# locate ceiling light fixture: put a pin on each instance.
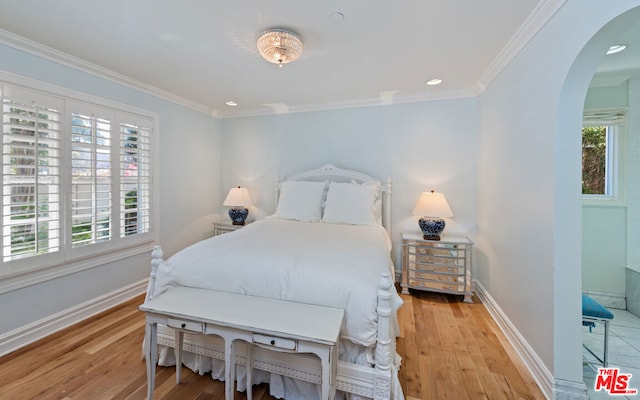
(231, 103)
(435, 81)
(280, 46)
(616, 48)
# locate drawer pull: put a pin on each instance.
(186, 325)
(275, 342)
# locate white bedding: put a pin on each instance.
(327, 264)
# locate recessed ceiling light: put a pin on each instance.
(617, 48)
(435, 81)
(231, 103)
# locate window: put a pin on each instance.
(596, 160)
(135, 178)
(600, 154)
(31, 177)
(76, 177)
(91, 165)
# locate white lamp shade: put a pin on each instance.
(432, 204)
(237, 197)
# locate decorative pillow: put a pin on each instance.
(300, 200)
(354, 204)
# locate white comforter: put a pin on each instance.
(326, 264)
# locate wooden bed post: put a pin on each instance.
(382, 385)
(156, 260)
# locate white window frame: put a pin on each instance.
(20, 273)
(615, 169)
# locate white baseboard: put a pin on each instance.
(27, 334)
(541, 374)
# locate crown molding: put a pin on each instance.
(37, 49)
(529, 28)
(279, 108)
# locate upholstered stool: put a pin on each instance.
(593, 312)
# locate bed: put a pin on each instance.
(327, 244)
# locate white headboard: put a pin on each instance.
(332, 173)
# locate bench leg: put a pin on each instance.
(151, 356)
(178, 353)
(229, 368)
(249, 367)
(328, 372)
(325, 378)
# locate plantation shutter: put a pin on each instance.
(604, 117)
(135, 175)
(91, 178)
(31, 130)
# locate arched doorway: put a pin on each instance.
(568, 196)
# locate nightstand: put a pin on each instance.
(224, 227)
(440, 266)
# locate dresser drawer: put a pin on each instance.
(438, 286)
(186, 325)
(274, 341)
(431, 259)
(436, 251)
(437, 269)
(446, 278)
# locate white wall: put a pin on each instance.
(529, 234)
(189, 182)
(419, 146)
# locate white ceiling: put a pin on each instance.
(202, 52)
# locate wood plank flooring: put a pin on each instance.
(450, 350)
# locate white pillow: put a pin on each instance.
(300, 200)
(354, 204)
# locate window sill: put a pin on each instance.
(19, 280)
(593, 201)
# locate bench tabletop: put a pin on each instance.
(258, 314)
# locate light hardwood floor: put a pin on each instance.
(450, 350)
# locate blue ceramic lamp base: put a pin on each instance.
(238, 215)
(431, 227)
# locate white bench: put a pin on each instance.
(270, 323)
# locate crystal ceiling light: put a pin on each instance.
(280, 46)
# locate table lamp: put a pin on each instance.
(238, 199)
(432, 207)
